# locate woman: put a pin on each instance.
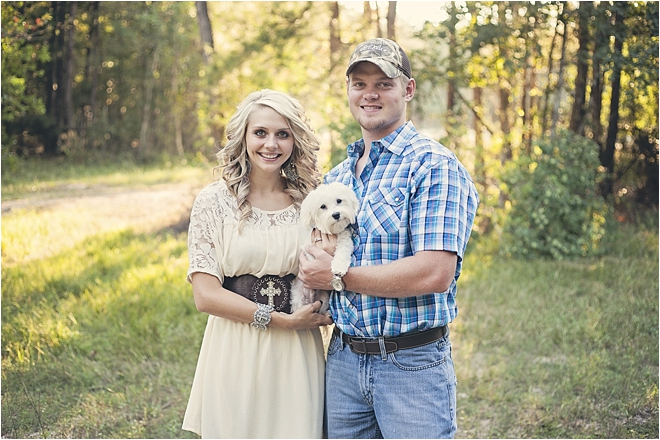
(260, 372)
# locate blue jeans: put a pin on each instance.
(406, 394)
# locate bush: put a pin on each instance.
(554, 209)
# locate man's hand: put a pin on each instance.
(315, 273)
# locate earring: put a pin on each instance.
(290, 171)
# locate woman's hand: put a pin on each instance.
(305, 317)
(327, 242)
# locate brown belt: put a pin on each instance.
(269, 289)
(372, 345)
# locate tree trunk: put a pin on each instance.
(479, 164)
(506, 154)
(607, 156)
(335, 39)
(601, 42)
(505, 124)
(379, 30)
(92, 69)
(176, 112)
(549, 87)
(579, 111)
(69, 69)
(205, 30)
(560, 80)
(391, 19)
(526, 105)
(54, 105)
(451, 82)
(367, 15)
(143, 147)
(596, 103)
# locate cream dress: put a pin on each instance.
(251, 383)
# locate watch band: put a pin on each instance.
(337, 279)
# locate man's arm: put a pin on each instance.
(423, 273)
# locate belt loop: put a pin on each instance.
(339, 335)
(383, 351)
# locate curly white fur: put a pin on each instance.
(331, 209)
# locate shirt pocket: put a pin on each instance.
(385, 211)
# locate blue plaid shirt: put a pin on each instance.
(414, 196)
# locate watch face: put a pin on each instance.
(337, 284)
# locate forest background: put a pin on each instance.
(552, 106)
(495, 79)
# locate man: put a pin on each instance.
(389, 371)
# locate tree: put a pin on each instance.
(26, 128)
(391, 20)
(559, 87)
(579, 94)
(205, 30)
(92, 59)
(68, 124)
(335, 38)
(607, 153)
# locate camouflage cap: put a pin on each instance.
(384, 53)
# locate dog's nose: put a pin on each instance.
(336, 215)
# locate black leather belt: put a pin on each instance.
(372, 345)
(269, 289)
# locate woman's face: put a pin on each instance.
(269, 140)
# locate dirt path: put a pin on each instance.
(44, 224)
(145, 208)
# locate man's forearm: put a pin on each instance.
(425, 272)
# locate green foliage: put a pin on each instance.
(555, 210)
(348, 131)
(23, 51)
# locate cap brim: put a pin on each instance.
(388, 68)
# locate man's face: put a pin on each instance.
(377, 102)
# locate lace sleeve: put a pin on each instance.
(203, 234)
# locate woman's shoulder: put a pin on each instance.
(216, 195)
(216, 189)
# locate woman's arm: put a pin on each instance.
(212, 298)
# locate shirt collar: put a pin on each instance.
(395, 141)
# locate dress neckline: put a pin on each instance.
(277, 211)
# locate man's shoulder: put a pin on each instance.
(424, 148)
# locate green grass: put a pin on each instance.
(99, 341)
(547, 349)
(100, 336)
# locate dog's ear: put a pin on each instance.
(307, 209)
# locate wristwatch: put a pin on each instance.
(337, 283)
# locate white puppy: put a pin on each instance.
(331, 209)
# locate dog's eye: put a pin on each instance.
(338, 201)
(323, 206)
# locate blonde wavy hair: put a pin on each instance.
(233, 156)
